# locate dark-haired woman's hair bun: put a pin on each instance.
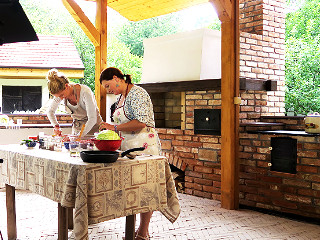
(108, 73)
(127, 78)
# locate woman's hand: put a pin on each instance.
(65, 138)
(57, 131)
(105, 126)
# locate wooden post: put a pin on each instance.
(228, 12)
(11, 212)
(101, 55)
(62, 222)
(98, 36)
(130, 227)
(230, 111)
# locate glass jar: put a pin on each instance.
(74, 148)
(58, 143)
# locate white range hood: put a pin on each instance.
(187, 56)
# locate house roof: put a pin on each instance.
(49, 52)
(143, 9)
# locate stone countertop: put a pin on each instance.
(286, 132)
(260, 124)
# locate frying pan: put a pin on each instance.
(105, 156)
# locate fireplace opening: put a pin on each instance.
(169, 109)
(283, 154)
(178, 177)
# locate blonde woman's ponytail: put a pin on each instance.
(56, 81)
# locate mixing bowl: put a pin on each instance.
(107, 145)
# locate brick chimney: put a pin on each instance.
(262, 56)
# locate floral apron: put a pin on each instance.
(146, 137)
(79, 116)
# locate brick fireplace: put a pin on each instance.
(262, 117)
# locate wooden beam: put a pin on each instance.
(230, 111)
(101, 55)
(223, 9)
(258, 85)
(182, 86)
(14, 73)
(83, 21)
(208, 84)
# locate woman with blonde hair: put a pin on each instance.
(79, 101)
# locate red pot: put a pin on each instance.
(107, 145)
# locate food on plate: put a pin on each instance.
(107, 135)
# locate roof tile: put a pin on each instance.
(48, 52)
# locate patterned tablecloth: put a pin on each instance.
(98, 192)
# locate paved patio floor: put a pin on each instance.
(199, 219)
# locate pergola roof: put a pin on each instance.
(143, 9)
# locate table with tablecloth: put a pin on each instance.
(98, 192)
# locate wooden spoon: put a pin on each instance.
(82, 128)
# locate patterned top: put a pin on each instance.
(138, 105)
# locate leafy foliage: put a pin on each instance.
(48, 19)
(119, 55)
(133, 33)
(303, 58)
(216, 25)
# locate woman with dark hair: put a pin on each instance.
(134, 119)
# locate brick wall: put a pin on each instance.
(200, 100)
(251, 16)
(199, 156)
(284, 192)
(167, 109)
(262, 57)
(39, 118)
(291, 122)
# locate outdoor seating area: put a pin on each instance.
(207, 146)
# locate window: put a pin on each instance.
(21, 98)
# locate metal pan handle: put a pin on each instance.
(123, 154)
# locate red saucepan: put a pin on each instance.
(105, 156)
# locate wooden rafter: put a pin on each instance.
(83, 21)
(98, 36)
(223, 8)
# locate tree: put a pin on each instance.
(133, 33)
(49, 18)
(303, 58)
(216, 25)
